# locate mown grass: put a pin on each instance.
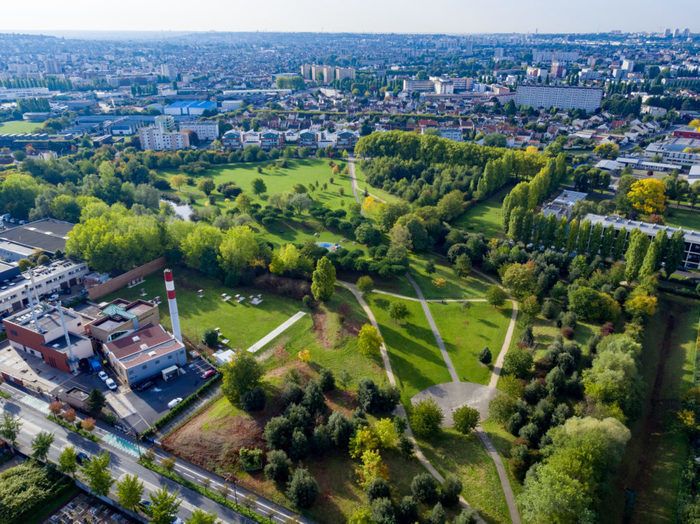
(484, 217)
(415, 358)
(18, 126)
(689, 219)
(465, 456)
(471, 286)
(466, 329)
(242, 324)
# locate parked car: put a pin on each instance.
(81, 457)
(209, 373)
(111, 384)
(145, 505)
(174, 402)
(143, 386)
(103, 376)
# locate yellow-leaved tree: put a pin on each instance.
(648, 196)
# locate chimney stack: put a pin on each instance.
(172, 303)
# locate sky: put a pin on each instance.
(376, 16)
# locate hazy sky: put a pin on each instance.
(425, 16)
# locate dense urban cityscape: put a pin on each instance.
(350, 277)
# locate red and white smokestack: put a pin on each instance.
(172, 303)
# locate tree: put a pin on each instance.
(18, 193)
(68, 461)
(177, 181)
(96, 401)
(200, 516)
(323, 280)
(463, 266)
(200, 248)
(465, 419)
(485, 356)
(365, 284)
(206, 186)
(426, 417)
(259, 186)
(278, 466)
(302, 489)
(398, 311)
(129, 491)
(238, 251)
(520, 279)
(531, 306)
(10, 428)
(674, 253)
(425, 488)
(41, 445)
(369, 340)
(210, 338)
(382, 511)
(240, 376)
(607, 150)
(164, 506)
(518, 362)
(451, 490)
(97, 474)
(495, 295)
(648, 196)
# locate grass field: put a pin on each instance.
(277, 180)
(468, 328)
(362, 184)
(657, 453)
(683, 218)
(18, 126)
(414, 356)
(243, 324)
(472, 286)
(484, 217)
(465, 456)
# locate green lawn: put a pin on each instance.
(468, 328)
(18, 126)
(473, 286)
(465, 456)
(683, 218)
(362, 184)
(277, 180)
(485, 217)
(243, 324)
(303, 230)
(415, 358)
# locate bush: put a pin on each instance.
(302, 489)
(518, 362)
(374, 400)
(426, 417)
(365, 284)
(340, 429)
(251, 459)
(425, 488)
(550, 310)
(569, 319)
(210, 338)
(383, 511)
(407, 510)
(291, 394)
(253, 400)
(485, 356)
(465, 419)
(278, 466)
(496, 296)
(278, 432)
(467, 516)
(326, 380)
(437, 515)
(377, 489)
(567, 333)
(451, 489)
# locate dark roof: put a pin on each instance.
(47, 235)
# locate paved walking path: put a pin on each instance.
(433, 327)
(284, 326)
(498, 365)
(502, 476)
(437, 300)
(353, 179)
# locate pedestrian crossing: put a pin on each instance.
(35, 403)
(122, 444)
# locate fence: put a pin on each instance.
(122, 280)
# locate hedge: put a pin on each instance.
(73, 427)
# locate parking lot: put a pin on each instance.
(137, 410)
(153, 403)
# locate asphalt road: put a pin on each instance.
(124, 459)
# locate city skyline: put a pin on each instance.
(445, 16)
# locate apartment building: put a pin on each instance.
(156, 139)
(561, 97)
(205, 130)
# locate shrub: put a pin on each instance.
(451, 489)
(251, 459)
(210, 338)
(340, 429)
(518, 362)
(569, 319)
(88, 424)
(550, 310)
(326, 380)
(465, 419)
(253, 400)
(291, 394)
(365, 284)
(377, 488)
(382, 511)
(426, 417)
(485, 356)
(302, 489)
(567, 333)
(278, 432)
(425, 488)
(437, 515)
(407, 510)
(496, 296)
(278, 466)
(467, 516)
(299, 447)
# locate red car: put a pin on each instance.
(209, 373)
